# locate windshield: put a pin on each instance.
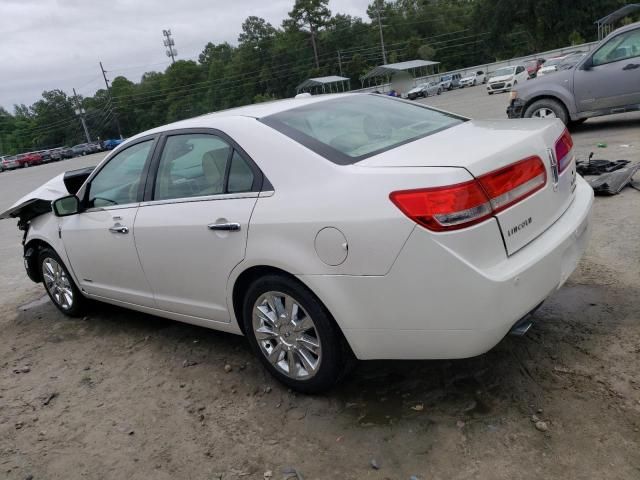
(445, 78)
(504, 71)
(349, 129)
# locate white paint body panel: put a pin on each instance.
(187, 264)
(401, 292)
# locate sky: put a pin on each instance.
(49, 44)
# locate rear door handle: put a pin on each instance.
(229, 227)
(631, 66)
(119, 229)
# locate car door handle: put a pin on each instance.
(119, 229)
(631, 66)
(229, 227)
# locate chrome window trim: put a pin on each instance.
(204, 198)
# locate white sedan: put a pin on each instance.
(322, 228)
(504, 79)
(476, 78)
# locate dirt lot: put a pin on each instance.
(124, 395)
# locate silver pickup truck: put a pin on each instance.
(604, 82)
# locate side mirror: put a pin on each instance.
(587, 64)
(65, 206)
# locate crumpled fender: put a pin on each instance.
(38, 202)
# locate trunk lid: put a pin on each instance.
(481, 147)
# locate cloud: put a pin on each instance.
(51, 44)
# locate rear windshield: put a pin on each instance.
(347, 130)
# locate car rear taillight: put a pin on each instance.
(510, 184)
(464, 204)
(563, 146)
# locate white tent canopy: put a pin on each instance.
(331, 83)
(412, 66)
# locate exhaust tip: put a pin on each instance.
(521, 328)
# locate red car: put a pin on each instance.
(29, 159)
(533, 66)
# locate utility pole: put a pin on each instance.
(340, 63)
(115, 113)
(80, 112)
(169, 43)
(384, 54)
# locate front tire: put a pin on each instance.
(293, 334)
(547, 108)
(59, 285)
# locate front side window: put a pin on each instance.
(118, 182)
(621, 47)
(196, 165)
(349, 129)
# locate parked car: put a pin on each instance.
(45, 155)
(473, 79)
(451, 81)
(424, 90)
(56, 154)
(533, 66)
(30, 159)
(82, 149)
(313, 279)
(111, 143)
(95, 147)
(10, 162)
(67, 152)
(604, 82)
(505, 78)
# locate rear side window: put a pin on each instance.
(347, 130)
(196, 165)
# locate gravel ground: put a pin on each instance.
(125, 395)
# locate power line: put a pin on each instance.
(106, 82)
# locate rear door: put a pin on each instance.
(613, 80)
(192, 230)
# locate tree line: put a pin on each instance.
(267, 62)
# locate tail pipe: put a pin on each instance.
(522, 326)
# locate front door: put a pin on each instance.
(193, 231)
(100, 241)
(613, 80)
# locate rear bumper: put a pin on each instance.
(435, 304)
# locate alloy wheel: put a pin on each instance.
(544, 112)
(57, 283)
(287, 335)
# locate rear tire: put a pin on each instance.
(547, 108)
(286, 322)
(59, 284)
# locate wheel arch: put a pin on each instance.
(547, 96)
(247, 276)
(31, 254)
